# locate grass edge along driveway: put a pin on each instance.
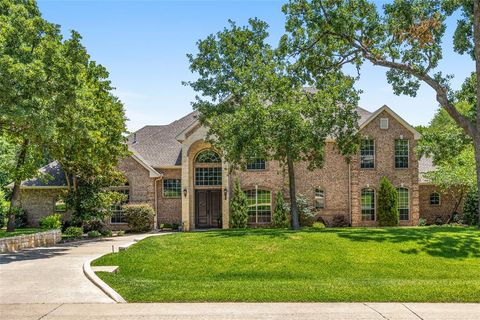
(424, 264)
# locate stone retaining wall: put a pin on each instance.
(41, 239)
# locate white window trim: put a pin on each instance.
(324, 198)
(439, 199)
(395, 156)
(409, 209)
(374, 155)
(374, 204)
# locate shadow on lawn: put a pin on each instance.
(443, 242)
(447, 242)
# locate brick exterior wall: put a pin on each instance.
(385, 166)
(39, 203)
(142, 188)
(443, 211)
(169, 209)
(341, 182)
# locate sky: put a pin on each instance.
(144, 44)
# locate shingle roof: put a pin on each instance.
(425, 164)
(50, 175)
(158, 145)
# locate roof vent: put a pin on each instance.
(384, 123)
(135, 137)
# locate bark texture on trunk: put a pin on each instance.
(22, 155)
(476, 138)
(293, 195)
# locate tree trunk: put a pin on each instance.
(22, 155)
(476, 138)
(476, 145)
(293, 195)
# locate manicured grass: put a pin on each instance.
(17, 232)
(434, 264)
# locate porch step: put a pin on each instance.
(125, 246)
(110, 269)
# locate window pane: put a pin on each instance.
(367, 154)
(256, 164)
(368, 204)
(403, 203)
(172, 188)
(208, 176)
(208, 156)
(435, 199)
(401, 153)
(319, 199)
(117, 210)
(260, 206)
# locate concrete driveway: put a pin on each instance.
(54, 274)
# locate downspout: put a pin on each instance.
(156, 201)
(350, 192)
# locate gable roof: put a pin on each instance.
(158, 145)
(416, 134)
(50, 176)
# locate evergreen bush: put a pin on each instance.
(280, 213)
(388, 215)
(470, 208)
(238, 207)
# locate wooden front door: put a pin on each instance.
(208, 209)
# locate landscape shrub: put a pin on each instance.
(280, 213)
(120, 233)
(21, 217)
(94, 234)
(338, 221)
(53, 221)
(305, 211)
(388, 215)
(106, 233)
(4, 207)
(95, 225)
(73, 232)
(238, 207)
(470, 208)
(422, 222)
(139, 217)
(318, 225)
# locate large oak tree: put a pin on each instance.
(403, 36)
(256, 106)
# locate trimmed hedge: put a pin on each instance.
(139, 217)
(388, 215)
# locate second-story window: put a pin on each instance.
(367, 154)
(256, 164)
(401, 153)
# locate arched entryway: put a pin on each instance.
(208, 189)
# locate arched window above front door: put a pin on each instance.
(208, 156)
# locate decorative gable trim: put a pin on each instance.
(404, 123)
(152, 172)
(182, 136)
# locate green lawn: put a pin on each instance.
(435, 264)
(17, 232)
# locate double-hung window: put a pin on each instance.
(259, 205)
(172, 188)
(367, 154)
(401, 153)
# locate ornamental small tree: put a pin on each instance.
(280, 213)
(387, 204)
(238, 207)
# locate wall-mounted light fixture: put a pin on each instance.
(185, 192)
(225, 191)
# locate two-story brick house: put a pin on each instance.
(175, 170)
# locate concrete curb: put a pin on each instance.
(87, 270)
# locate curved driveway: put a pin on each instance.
(54, 274)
